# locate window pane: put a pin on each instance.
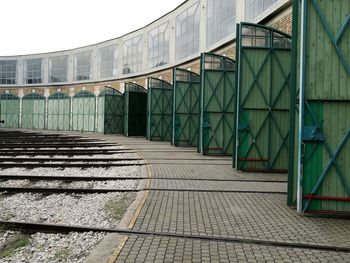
(132, 57)
(108, 61)
(187, 32)
(221, 20)
(33, 71)
(254, 8)
(58, 69)
(158, 46)
(83, 66)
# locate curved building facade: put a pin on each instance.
(176, 39)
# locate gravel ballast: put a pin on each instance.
(97, 210)
(45, 248)
(132, 171)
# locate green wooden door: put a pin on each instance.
(159, 110)
(83, 112)
(263, 84)
(33, 111)
(185, 108)
(322, 45)
(58, 112)
(135, 110)
(110, 111)
(10, 105)
(218, 105)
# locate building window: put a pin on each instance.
(82, 66)
(254, 8)
(221, 20)
(158, 46)
(132, 55)
(8, 71)
(187, 32)
(108, 61)
(33, 71)
(58, 69)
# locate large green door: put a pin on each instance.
(58, 112)
(322, 44)
(110, 111)
(263, 84)
(9, 110)
(218, 105)
(135, 110)
(185, 108)
(83, 111)
(159, 110)
(33, 111)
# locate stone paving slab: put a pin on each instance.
(244, 216)
(209, 172)
(165, 249)
(219, 186)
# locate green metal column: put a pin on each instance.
(186, 108)
(135, 110)
(159, 110)
(323, 79)
(218, 105)
(263, 100)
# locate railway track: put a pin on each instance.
(29, 227)
(92, 178)
(63, 153)
(55, 145)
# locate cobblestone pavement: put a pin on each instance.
(165, 249)
(245, 227)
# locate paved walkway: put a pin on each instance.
(204, 211)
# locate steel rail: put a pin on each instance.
(65, 165)
(50, 190)
(56, 145)
(31, 227)
(94, 178)
(71, 160)
(53, 153)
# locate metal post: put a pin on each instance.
(174, 107)
(238, 79)
(301, 105)
(201, 109)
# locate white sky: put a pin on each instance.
(38, 26)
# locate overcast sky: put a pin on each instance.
(37, 26)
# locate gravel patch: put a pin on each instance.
(74, 209)
(6, 236)
(125, 184)
(45, 248)
(14, 183)
(98, 172)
